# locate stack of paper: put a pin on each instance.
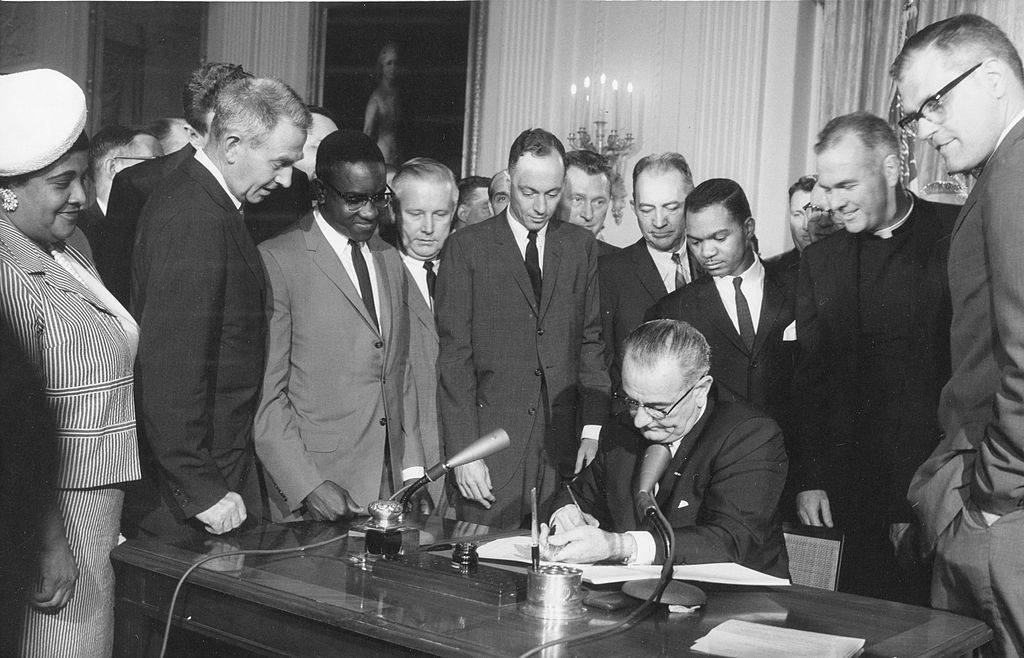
(517, 549)
(742, 639)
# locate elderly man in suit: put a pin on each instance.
(426, 197)
(199, 290)
(517, 315)
(872, 313)
(719, 490)
(745, 308)
(134, 186)
(966, 80)
(337, 426)
(588, 194)
(636, 277)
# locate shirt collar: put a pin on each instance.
(666, 256)
(102, 205)
(1009, 127)
(753, 274)
(887, 232)
(205, 160)
(520, 231)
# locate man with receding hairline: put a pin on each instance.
(520, 342)
(962, 86)
(872, 323)
(198, 292)
(588, 194)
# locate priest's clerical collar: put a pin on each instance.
(888, 231)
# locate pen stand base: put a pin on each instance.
(554, 592)
(388, 541)
(439, 575)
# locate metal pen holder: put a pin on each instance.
(554, 592)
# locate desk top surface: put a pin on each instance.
(322, 585)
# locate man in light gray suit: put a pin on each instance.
(962, 84)
(426, 196)
(337, 423)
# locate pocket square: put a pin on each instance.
(682, 504)
(789, 333)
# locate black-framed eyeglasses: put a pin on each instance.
(656, 413)
(355, 202)
(137, 158)
(932, 107)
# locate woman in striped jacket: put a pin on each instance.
(82, 343)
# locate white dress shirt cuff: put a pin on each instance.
(646, 550)
(412, 473)
(591, 432)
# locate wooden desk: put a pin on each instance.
(317, 604)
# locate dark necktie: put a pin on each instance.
(680, 270)
(428, 265)
(533, 263)
(363, 275)
(743, 315)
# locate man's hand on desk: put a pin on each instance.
(226, 514)
(474, 481)
(421, 500)
(585, 544)
(586, 453)
(813, 508)
(568, 517)
(329, 502)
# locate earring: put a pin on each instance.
(8, 199)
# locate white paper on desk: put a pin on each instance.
(743, 639)
(517, 549)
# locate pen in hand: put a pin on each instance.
(534, 532)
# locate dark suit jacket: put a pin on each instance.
(198, 287)
(603, 248)
(497, 345)
(132, 187)
(762, 376)
(630, 284)
(981, 412)
(720, 492)
(787, 259)
(828, 444)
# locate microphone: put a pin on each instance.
(655, 461)
(488, 444)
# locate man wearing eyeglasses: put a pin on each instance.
(872, 322)
(963, 83)
(337, 425)
(720, 490)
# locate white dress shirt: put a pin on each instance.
(419, 276)
(752, 287)
(521, 234)
(205, 160)
(343, 249)
(667, 269)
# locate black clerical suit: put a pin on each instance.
(873, 320)
(132, 187)
(720, 491)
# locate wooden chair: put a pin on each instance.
(815, 555)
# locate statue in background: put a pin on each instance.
(382, 113)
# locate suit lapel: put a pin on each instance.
(329, 263)
(419, 308)
(552, 258)
(712, 302)
(772, 300)
(646, 271)
(384, 291)
(508, 251)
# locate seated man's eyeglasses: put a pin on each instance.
(932, 107)
(354, 202)
(656, 413)
(136, 158)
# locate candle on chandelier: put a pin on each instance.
(614, 118)
(629, 106)
(602, 106)
(586, 93)
(574, 117)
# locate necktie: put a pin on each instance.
(533, 263)
(428, 265)
(363, 275)
(743, 315)
(680, 270)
